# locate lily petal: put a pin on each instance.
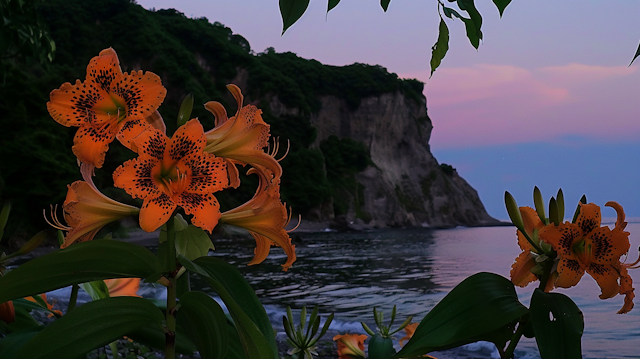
(521, 269)
(607, 278)
(86, 211)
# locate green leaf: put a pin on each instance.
(23, 319)
(482, 307)
(380, 348)
(449, 11)
(557, 324)
(235, 345)
(291, 11)
(251, 320)
(96, 289)
(635, 56)
(501, 5)
(153, 336)
(560, 202)
(439, 50)
(539, 204)
(205, 323)
(193, 242)
(185, 110)
(385, 4)
(31, 244)
(90, 326)
(11, 344)
(473, 26)
(332, 4)
(513, 211)
(472, 33)
(554, 212)
(583, 200)
(79, 263)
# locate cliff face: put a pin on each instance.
(405, 185)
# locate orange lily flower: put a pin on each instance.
(49, 305)
(171, 172)
(265, 217)
(106, 104)
(350, 345)
(410, 329)
(7, 312)
(86, 211)
(123, 287)
(241, 138)
(584, 246)
(521, 269)
(521, 274)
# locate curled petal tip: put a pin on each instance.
(620, 222)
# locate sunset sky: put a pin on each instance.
(547, 99)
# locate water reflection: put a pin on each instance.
(345, 273)
(349, 273)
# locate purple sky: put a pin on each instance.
(547, 99)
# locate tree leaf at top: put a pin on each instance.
(439, 50)
(385, 4)
(636, 55)
(501, 5)
(332, 4)
(291, 11)
(476, 18)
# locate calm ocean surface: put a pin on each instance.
(349, 273)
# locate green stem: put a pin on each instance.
(170, 336)
(515, 339)
(73, 297)
(114, 349)
(546, 273)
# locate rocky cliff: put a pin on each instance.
(404, 185)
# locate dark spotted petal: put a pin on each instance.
(607, 278)
(136, 178)
(151, 144)
(130, 130)
(155, 212)
(607, 246)
(589, 217)
(141, 93)
(104, 69)
(562, 237)
(187, 140)
(208, 173)
(569, 273)
(90, 143)
(81, 104)
(204, 208)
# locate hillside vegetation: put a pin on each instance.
(191, 56)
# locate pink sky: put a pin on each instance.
(545, 70)
(488, 104)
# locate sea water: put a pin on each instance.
(350, 273)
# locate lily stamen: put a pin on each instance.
(286, 152)
(633, 265)
(297, 225)
(54, 218)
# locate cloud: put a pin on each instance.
(493, 104)
(580, 73)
